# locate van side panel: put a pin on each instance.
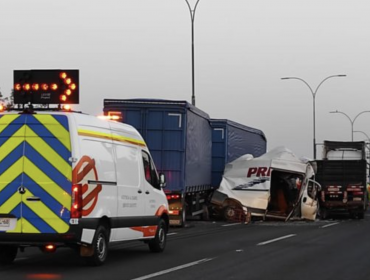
(95, 170)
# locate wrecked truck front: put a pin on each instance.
(277, 187)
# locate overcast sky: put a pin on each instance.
(142, 49)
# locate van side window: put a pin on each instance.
(149, 171)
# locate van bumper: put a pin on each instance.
(70, 238)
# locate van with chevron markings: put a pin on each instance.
(70, 179)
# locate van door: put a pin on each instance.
(309, 202)
(153, 192)
(35, 172)
(131, 194)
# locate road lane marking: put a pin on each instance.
(230, 225)
(276, 239)
(172, 269)
(172, 233)
(329, 225)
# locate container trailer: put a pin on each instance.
(179, 137)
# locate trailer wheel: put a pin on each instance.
(8, 254)
(323, 213)
(205, 214)
(361, 215)
(158, 243)
(100, 247)
(183, 217)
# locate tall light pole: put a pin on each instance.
(192, 16)
(352, 121)
(314, 101)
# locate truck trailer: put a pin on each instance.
(231, 140)
(342, 174)
(179, 137)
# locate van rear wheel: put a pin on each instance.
(100, 247)
(8, 254)
(158, 243)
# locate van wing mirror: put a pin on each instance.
(162, 180)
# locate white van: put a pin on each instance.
(276, 185)
(70, 179)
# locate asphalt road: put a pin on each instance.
(330, 249)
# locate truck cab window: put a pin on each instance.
(150, 172)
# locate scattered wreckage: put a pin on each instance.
(275, 185)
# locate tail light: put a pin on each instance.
(173, 196)
(358, 193)
(323, 196)
(76, 207)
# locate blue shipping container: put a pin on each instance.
(178, 136)
(231, 140)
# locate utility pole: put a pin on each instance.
(192, 16)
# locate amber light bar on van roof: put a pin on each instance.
(115, 115)
(46, 86)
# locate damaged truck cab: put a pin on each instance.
(275, 185)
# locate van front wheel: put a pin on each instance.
(100, 247)
(158, 243)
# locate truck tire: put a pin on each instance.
(205, 214)
(158, 243)
(8, 254)
(323, 213)
(183, 217)
(361, 215)
(100, 247)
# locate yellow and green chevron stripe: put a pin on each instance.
(34, 153)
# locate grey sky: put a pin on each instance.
(141, 48)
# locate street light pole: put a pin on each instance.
(351, 121)
(192, 16)
(313, 92)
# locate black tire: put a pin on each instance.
(205, 214)
(183, 217)
(100, 247)
(158, 243)
(323, 213)
(8, 254)
(361, 215)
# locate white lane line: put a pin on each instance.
(172, 233)
(230, 225)
(329, 225)
(172, 269)
(276, 239)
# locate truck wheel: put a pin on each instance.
(100, 247)
(183, 217)
(361, 215)
(158, 243)
(205, 214)
(323, 213)
(8, 254)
